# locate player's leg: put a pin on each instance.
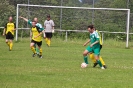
(49, 42)
(11, 44)
(85, 53)
(7, 39)
(33, 48)
(40, 48)
(101, 59)
(92, 57)
(36, 49)
(49, 38)
(97, 53)
(45, 37)
(11, 41)
(85, 56)
(7, 42)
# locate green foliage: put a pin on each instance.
(71, 19)
(6, 10)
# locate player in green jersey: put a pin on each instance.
(92, 56)
(94, 46)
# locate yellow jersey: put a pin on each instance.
(100, 37)
(10, 26)
(35, 32)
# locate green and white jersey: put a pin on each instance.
(37, 24)
(93, 38)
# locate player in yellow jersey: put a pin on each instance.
(36, 36)
(100, 58)
(9, 29)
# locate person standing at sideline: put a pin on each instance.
(49, 29)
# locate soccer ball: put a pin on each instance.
(84, 65)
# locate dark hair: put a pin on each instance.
(91, 26)
(48, 16)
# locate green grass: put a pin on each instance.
(60, 66)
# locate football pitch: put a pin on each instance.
(60, 66)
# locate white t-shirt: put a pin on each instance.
(48, 25)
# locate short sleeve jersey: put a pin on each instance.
(48, 25)
(9, 27)
(36, 31)
(93, 38)
(38, 24)
(100, 37)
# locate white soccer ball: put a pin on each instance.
(84, 65)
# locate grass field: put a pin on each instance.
(60, 66)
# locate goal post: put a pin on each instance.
(127, 23)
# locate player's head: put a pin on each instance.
(48, 17)
(91, 28)
(33, 23)
(36, 20)
(10, 19)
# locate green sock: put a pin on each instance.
(99, 62)
(86, 59)
(37, 50)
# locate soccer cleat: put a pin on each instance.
(105, 66)
(48, 45)
(102, 68)
(10, 49)
(34, 55)
(95, 64)
(40, 56)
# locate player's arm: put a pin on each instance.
(86, 43)
(38, 35)
(43, 31)
(4, 31)
(97, 41)
(44, 24)
(40, 32)
(31, 34)
(14, 27)
(25, 19)
(52, 26)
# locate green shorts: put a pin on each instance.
(95, 50)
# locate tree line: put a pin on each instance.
(72, 19)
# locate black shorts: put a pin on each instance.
(38, 43)
(9, 35)
(48, 34)
(101, 47)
